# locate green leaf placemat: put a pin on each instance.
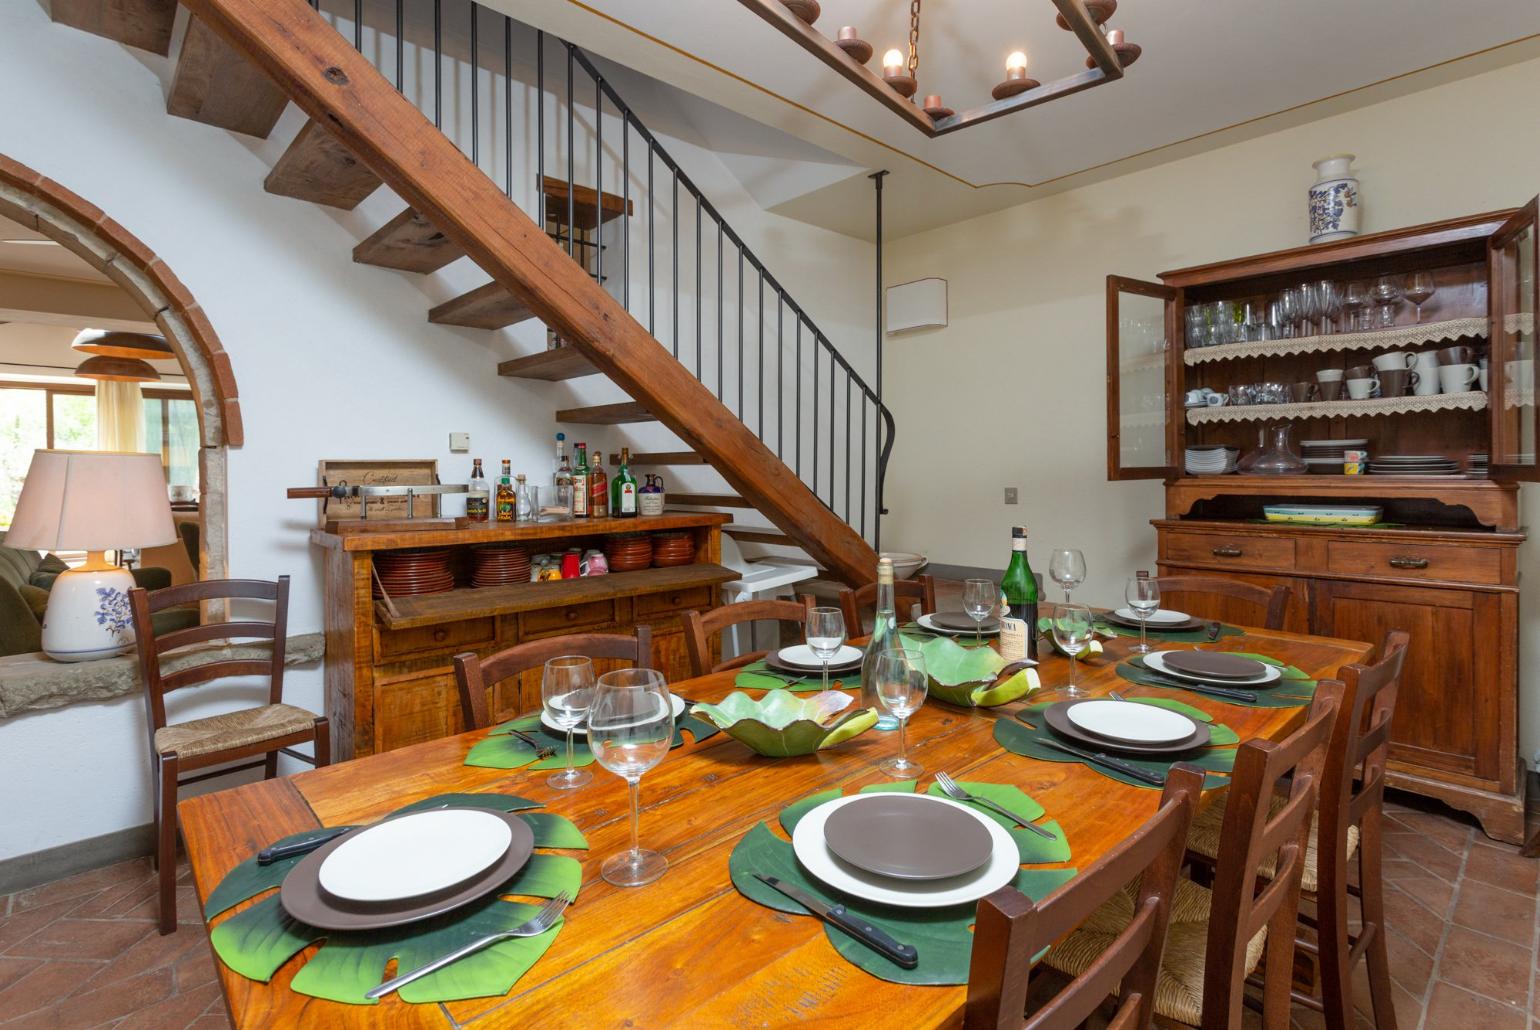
(1024, 734)
(941, 935)
(1293, 690)
(258, 941)
(759, 676)
(502, 750)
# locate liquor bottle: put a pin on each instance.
(884, 638)
(561, 459)
(623, 489)
(580, 482)
(649, 499)
(505, 496)
(524, 508)
(562, 497)
(478, 497)
(598, 489)
(1018, 603)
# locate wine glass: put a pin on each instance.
(1067, 568)
(825, 635)
(1289, 304)
(567, 690)
(1419, 287)
(979, 597)
(1355, 298)
(1143, 597)
(1072, 632)
(630, 729)
(1311, 304)
(1386, 292)
(1331, 303)
(901, 687)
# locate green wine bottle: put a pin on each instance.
(1018, 603)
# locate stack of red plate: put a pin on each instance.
(628, 553)
(672, 549)
(403, 573)
(495, 565)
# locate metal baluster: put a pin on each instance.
(599, 180)
(400, 46)
(780, 370)
(438, 64)
(863, 464)
(700, 365)
(625, 209)
(674, 218)
(508, 102)
(740, 333)
(475, 95)
(540, 126)
(571, 149)
(358, 25)
(832, 371)
(847, 448)
(797, 371)
(759, 371)
(720, 292)
(652, 290)
(816, 363)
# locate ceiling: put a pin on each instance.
(1208, 69)
(29, 251)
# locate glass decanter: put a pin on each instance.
(1278, 459)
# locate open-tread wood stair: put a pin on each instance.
(242, 61)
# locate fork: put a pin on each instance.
(952, 789)
(536, 925)
(542, 751)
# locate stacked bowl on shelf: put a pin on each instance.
(495, 565)
(628, 553)
(404, 573)
(1326, 457)
(1210, 459)
(672, 549)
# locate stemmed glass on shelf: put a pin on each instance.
(901, 687)
(1067, 568)
(1072, 630)
(630, 729)
(979, 598)
(1354, 300)
(825, 636)
(567, 691)
(1419, 288)
(1386, 292)
(1143, 597)
(1331, 304)
(1311, 306)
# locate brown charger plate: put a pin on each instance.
(775, 663)
(1214, 665)
(1166, 627)
(910, 837)
(303, 897)
(959, 620)
(1059, 723)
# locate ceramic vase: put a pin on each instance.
(1334, 200)
(88, 615)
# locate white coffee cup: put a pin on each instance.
(1481, 380)
(1395, 359)
(1363, 389)
(1329, 375)
(1457, 378)
(1427, 374)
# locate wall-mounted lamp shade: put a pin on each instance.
(92, 501)
(114, 344)
(917, 305)
(122, 370)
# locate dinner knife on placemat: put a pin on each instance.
(1117, 764)
(905, 955)
(1227, 693)
(267, 856)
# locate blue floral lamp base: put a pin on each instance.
(87, 616)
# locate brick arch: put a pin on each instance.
(40, 203)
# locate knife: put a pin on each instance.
(1099, 758)
(905, 955)
(267, 856)
(1229, 693)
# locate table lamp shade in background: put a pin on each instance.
(91, 501)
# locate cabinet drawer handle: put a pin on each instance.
(1401, 562)
(440, 635)
(1227, 552)
(675, 599)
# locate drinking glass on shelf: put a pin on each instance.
(1072, 633)
(1386, 293)
(1289, 302)
(901, 686)
(630, 729)
(567, 691)
(1067, 568)
(1310, 308)
(979, 597)
(1331, 304)
(1143, 597)
(1355, 298)
(1197, 327)
(825, 635)
(1420, 287)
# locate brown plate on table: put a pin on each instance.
(1214, 665)
(771, 661)
(1054, 715)
(1156, 627)
(960, 620)
(908, 837)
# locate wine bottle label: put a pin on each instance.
(627, 499)
(476, 508)
(1013, 639)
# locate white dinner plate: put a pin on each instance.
(802, 656)
(1158, 617)
(815, 856)
(1156, 662)
(415, 855)
(926, 623)
(1133, 724)
(675, 702)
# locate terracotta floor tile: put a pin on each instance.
(81, 939)
(1430, 855)
(152, 951)
(1502, 869)
(1410, 966)
(179, 1010)
(211, 1021)
(94, 1008)
(1451, 1007)
(114, 900)
(1441, 829)
(1487, 966)
(44, 986)
(13, 969)
(81, 885)
(1431, 892)
(25, 924)
(196, 967)
(1495, 911)
(1405, 916)
(148, 907)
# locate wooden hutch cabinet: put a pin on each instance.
(390, 669)
(1443, 562)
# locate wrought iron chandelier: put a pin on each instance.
(1107, 55)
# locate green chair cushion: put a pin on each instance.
(20, 631)
(36, 598)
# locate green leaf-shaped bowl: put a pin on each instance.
(782, 724)
(969, 677)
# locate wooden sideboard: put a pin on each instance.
(389, 673)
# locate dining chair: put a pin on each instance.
(921, 591)
(1271, 604)
(1351, 802)
(476, 677)
(266, 730)
(1218, 937)
(700, 628)
(1139, 876)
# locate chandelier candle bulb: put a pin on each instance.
(850, 41)
(895, 74)
(1016, 80)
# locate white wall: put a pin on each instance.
(1012, 390)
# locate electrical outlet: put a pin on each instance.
(1010, 495)
(459, 443)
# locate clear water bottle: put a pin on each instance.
(884, 638)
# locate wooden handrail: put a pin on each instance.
(337, 87)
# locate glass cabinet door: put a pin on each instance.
(1141, 331)
(1515, 296)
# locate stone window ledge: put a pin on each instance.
(34, 682)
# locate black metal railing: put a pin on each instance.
(782, 393)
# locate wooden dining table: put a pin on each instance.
(689, 950)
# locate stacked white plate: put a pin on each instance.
(1414, 465)
(1478, 466)
(1211, 460)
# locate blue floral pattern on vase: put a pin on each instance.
(1329, 203)
(112, 611)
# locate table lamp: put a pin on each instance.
(91, 501)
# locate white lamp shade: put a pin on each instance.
(917, 305)
(92, 501)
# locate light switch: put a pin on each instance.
(1010, 495)
(459, 443)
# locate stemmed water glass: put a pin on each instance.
(1331, 303)
(567, 690)
(1355, 298)
(1311, 304)
(1067, 568)
(1143, 597)
(979, 597)
(630, 729)
(1072, 632)
(1420, 287)
(901, 686)
(1387, 294)
(1292, 307)
(825, 636)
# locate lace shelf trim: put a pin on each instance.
(1396, 336)
(1474, 400)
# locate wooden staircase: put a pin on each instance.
(241, 63)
